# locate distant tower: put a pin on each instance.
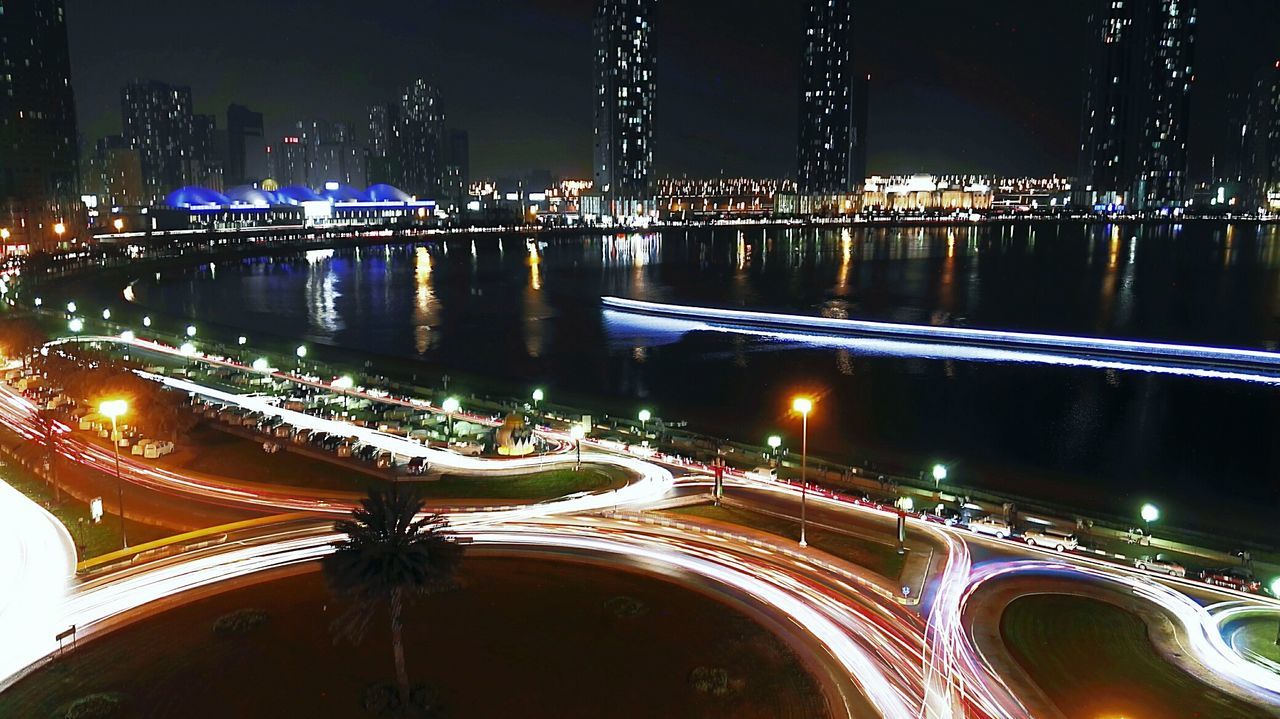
(624, 70)
(159, 123)
(1162, 154)
(829, 143)
(1261, 141)
(245, 149)
(39, 174)
(1133, 148)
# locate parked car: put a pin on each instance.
(1049, 539)
(417, 466)
(992, 526)
(765, 474)
(1237, 578)
(317, 439)
(302, 436)
(385, 460)
(467, 449)
(1160, 565)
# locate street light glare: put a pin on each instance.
(76, 325)
(645, 415)
(939, 472)
(577, 432)
(113, 408)
(538, 395)
(344, 382)
(301, 351)
(1150, 512)
(775, 441)
(803, 405)
(451, 405)
(191, 330)
(261, 364)
(187, 348)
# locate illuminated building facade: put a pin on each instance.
(1133, 149)
(159, 123)
(624, 100)
(1260, 178)
(39, 163)
(832, 143)
(407, 141)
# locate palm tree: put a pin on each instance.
(391, 549)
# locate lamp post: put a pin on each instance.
(1150, 513)
(191, 330)
(450, 406)
(577, 432)
(939, 475)
(538, 396)
(775, 443)
(301, 354)
(904, 505)
(804, 406)
(118, 224)
(644, 416)
(342, 384)
(114, 409)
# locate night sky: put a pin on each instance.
(992, 86)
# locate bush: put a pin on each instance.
(239, 622)
(94, 706)
(710, 680)
(624, 607)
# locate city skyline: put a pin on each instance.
(1003, 78)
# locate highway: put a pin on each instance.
(877, 654)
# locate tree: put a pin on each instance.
(391, 549)
(21, 338)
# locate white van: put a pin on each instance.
(1050, 539)
(992, 526)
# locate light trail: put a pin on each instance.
(939, 342)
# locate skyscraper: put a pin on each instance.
(417, 140)
(114, 173)
(331, 154)
(1133, 149)
(1162, 152)
(1260, 171)
(826, 157)
(38, 144)
(159, 122)
(457, 157)
(625, 88)
(245, 149)
(381, 163)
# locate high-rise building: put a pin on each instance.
(159, 122)
(829, 139)
(38, 143)
(114, 173)
(1133, 149)
(418, 140)
(206, 157)
(1260, 173)
(457, 168)
(381, 162)
(858, 136)
(625, 88)
(331, 154)
(246, 149)
(1166, 103)
(287, 162)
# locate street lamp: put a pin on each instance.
(191, 330)
(645, 415)
(342, 384)
(128, 336)
(4, 234)
(939, 475)
(1150, 513)
(261, 365)
(60, 229)
(242, 340)
(106, 314)
(905, 504)
(118, 224)
(577, 432)
(71, 307)
(450, 406)
(146, 321)
(114, 409)
(804, 406)
(775, 444)
(538, 395)
(76, 325)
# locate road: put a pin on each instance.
(878, 655)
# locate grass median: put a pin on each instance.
(533, 487)
(1093, 659)
(879, 557)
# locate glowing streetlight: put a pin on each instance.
(242, 340)
(118, 224)
(905, 504)
(106, 314)
(645, 415)
(939, 475)
(4, 234)
(146, 321)
(76, 325)
(577, 432)
(38, 302)
(1150, 513)
(804, 406)
(261, 365)
(538, 396)
(450, 406)
(115, 409)
(71, 307)
(128, 336)
(775, 445)
(191, 330)
(301, 354)
(60, 229)
(342, 384)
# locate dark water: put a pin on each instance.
(528, 313)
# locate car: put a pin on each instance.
(1160, 565)
(317, 439)
(992, 526)
(1237, 578)
(467, 449)
(766, 474)
(302, 436)
(1049, 539)
(417, 466)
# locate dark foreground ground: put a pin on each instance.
(520, 638)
